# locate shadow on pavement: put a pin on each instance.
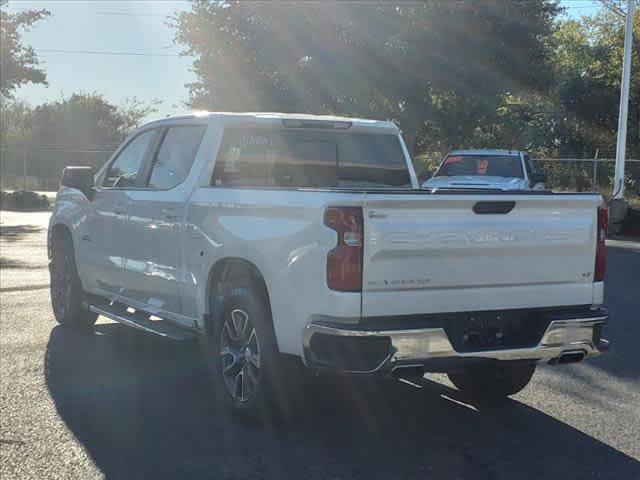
(13, 233)
(142, 407)
(7, 263)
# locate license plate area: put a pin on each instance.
(486, 331)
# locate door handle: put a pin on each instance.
(169, 214)
(374, 214)
(120, 208)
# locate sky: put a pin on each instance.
(124, 49)
(119, 27)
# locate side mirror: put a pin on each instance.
(80, 178)
(538, 177)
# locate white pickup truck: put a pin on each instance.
(487, 168)
(271, 234)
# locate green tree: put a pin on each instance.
(437, 68)
(18, 63)
(80, 130)
(580, 111)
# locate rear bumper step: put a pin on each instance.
(352, 350)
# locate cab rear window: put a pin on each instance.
(309, 158)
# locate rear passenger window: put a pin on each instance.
(175, 156)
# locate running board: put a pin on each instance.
(140, 321)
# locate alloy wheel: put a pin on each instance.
(240, 355)
(61, 279)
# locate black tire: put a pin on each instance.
(67, 295)
(265, 396)
(493, 382)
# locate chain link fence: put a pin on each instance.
(596, 174)
(40, 167)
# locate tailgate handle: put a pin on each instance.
(482, 208)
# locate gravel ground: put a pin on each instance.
(118, 404)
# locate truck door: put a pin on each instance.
(105, 245)
(153, 272)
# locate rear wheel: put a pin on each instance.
(242, 352)
(67, 296)
(493, 381)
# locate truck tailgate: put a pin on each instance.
(433, 253)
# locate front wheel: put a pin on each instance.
(493, 381)
(67, 295)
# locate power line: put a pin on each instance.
(130, 14)
(107, 52)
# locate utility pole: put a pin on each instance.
(618, 207)
(618, 184)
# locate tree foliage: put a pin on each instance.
(18, 62)
(453, 74)
(469, 73)
(588, 65)
(82, 129)
(415, 63)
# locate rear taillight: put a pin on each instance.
(344, 262)
(601, 249)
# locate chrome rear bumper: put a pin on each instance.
(418, 347)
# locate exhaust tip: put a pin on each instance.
(570, 357)
(603, 345)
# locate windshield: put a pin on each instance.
(483, 165)
(310, 158)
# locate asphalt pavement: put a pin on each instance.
(116, 403)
